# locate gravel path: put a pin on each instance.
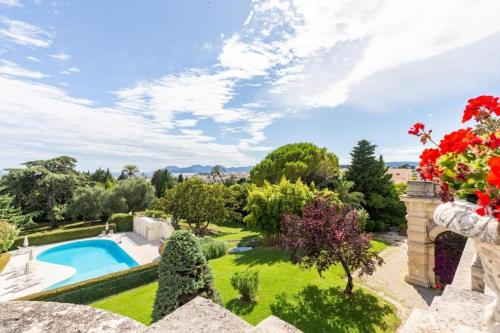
(388, 280)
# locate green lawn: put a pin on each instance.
(299, 296)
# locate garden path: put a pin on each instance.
(388, 281)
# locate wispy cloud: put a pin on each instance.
(11, 3)
(12, 69)
(61, 56)
(70, 70)
(23, 33)
(34, 59)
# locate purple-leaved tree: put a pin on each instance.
(327, 234)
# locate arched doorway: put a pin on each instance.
(448, 250)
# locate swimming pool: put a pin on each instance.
(90, 258)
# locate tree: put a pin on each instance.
(103, 177)
(14, 215)
(183, 274)
(217, 172)
(326, 235)
(137, 193)
(162, 180)
(370, 177)
(8, 234)
(87, 203)
(180, 179)
(130, 170)
(304, 161)
(44, 186)
(267, 204)
(200, 203)
(343, 188)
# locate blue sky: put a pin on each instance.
(160, 83)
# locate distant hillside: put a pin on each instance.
(204, 169)
(391, 164)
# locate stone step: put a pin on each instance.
(424, 321)
(456, 310)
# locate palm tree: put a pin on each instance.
(130, 170)
(217, 171)
(344, 187)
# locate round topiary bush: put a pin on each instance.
(247, 284)
(183, 274)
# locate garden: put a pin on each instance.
(307, 229)
(299, 296)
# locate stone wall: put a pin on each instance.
(199, 315)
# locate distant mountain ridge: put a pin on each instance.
(204, 169)
(207, 168)
(391, 164)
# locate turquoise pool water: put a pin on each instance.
(90, 258)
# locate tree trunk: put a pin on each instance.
(350, 285)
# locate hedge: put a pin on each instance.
(92, 290)
(124, 222)
(60, 235)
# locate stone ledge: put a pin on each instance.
(54, 317)
(273, 324)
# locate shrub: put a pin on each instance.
(183, 275)
(247, 284)
(268, 203)
(8, 234)
(124, 222)
(212, 248)
(103, 286)
(61, 235)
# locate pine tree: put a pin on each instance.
(370, 177)
(183, 275)
(12, 214)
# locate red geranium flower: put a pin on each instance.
(458, 141)
(427, 167)
(493, 177)
(480, 107)
(493, 142)
(415, 130)
(483, 200)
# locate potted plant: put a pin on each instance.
(466, 165)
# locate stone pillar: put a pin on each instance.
(421, 201)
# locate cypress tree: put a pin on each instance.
(183, 275)
(370, 177)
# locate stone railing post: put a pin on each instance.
(421, 200)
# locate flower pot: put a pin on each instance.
(461, 217)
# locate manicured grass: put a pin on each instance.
(299, 296)
(4, 260)
(135, 303)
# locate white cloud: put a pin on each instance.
(378, 35)
(60, 56)
(34, 59)
(11, 3)
(12, 69)
(40, 121)
(23, 33)
(186, 122)
(70, 70)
